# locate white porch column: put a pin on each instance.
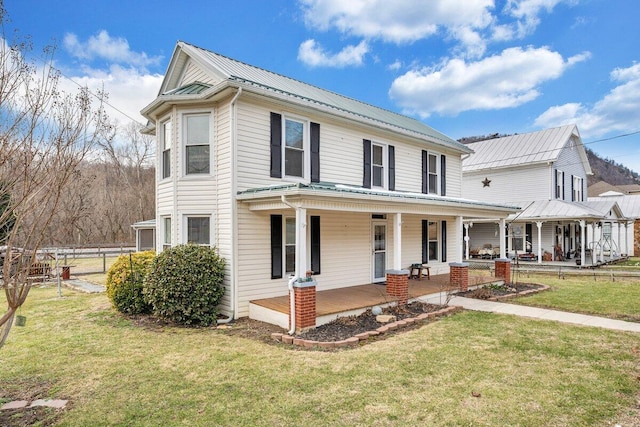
(539, 224)
(601, 242)
(466, 240)
(626, 238)
(397, 242)
(301, 242)
(503, 236)
(593, 243)
(458, 238)
(583, 251)
(619, 240)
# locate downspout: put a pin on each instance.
(292, 280)
(234, 222)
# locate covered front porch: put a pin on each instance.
(353, 300)
(552, 231)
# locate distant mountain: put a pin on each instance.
(603, 169)
(609, 171)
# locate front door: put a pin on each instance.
(379, 251)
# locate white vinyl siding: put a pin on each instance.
(524, 183)
(193, 74)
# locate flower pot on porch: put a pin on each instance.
(578, 262)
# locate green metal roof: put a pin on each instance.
(190, 89)
(249, 75)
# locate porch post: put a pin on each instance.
(397, 241)
(457, 238)
(466, 241)
(503, 237)
(626, 238)
(583, 252)
(539, 224)
(619, 240)
(593, 243)
(301, 242)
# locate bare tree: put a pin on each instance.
(44, 136)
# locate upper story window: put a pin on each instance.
(197, 152)
(378, 165)
(559, 185)
(199, 230)
(577, 189)
(295, 149)
(166, 148)
(434, 173)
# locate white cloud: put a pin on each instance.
(312, 54)
(401, 21)
(128, 89)
(527, 12)
(617, 111)
(112, 49)
(507, 80)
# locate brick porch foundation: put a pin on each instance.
(459, 275)
(305, 301)
(503, 269)
(398, 285)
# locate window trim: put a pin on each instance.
(163, 242)
(306, 149)
(384, 166)
(184, 115)
(164, 172)
(185, 227)
(285, 219)
(439, 186)
(577, 186)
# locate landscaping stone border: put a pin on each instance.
(520, 294)
(355, 341)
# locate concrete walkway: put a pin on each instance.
(537, 313)
(83, 286)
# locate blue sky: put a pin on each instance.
(465, 67)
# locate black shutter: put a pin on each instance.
(425, 172)
(528, 237)
(276, 246)
(563, 193)
(573, 198)
(366, 172)
(392, 168)
(443, 176)
(584, 190)
(444, 241)
(315, 244)
(315, 152)
(276, 145)
(425, 241)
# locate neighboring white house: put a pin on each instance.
(284, 177)
(630, 206)
(545, 173)
(145, 235)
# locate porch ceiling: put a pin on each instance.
(334, 197)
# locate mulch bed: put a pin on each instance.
(498, 292)
(350, 326)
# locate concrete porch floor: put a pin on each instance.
(346, 300)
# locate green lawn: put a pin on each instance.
(468, 369)
(619, 299)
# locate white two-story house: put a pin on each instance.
(283, 177)
(545, 173)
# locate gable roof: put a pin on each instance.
(524, 149)
(561, 210)
(232, 73)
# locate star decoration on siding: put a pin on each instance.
(486, 182)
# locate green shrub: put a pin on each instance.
(125, 281)
(185, 285)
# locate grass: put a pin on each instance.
(600, 296)
(468, 369)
